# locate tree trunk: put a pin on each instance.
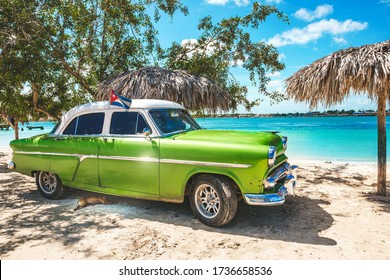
(35, 103)
(14, 124)
(381, 182)
(16, 129)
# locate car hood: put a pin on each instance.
(233, 137)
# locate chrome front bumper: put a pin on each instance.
(11, 165)
(287, 171)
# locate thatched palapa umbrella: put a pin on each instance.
(193, 92)
(361, 70)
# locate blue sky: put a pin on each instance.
(316, 29)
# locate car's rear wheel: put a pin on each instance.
(213, 200)
(49, 185)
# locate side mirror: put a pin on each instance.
(146, 131)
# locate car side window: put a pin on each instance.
(71, 128)
(141, 125)
(90, 124)
(87, 124)
(129, 123)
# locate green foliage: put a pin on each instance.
(228, 44)
(54, 53)
(58, 51)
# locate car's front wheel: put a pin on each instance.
(49, 185)
(213, 200)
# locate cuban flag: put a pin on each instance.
(119, 100)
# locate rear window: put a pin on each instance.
(88, 124)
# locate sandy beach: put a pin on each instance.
(335, 215)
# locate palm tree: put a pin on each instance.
(361, 70)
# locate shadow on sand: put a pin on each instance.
(335, 174)
(299, 220)
(382, 201)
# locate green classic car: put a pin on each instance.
(155, 150)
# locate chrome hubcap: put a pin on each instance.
(47, 182)
(207, 201)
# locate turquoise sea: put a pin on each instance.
(317, 138)
(351, 138)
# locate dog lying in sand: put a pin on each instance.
(85, 201)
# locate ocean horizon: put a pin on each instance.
(346, 138)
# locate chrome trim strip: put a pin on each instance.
(206, 163)
(80, 156)
(83, 157)
(279, 173)
(144, 159)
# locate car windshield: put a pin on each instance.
(173, 120)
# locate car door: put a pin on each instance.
(74, 151)
(128, 160)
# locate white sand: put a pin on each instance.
(335, 215)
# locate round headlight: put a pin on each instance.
(271, 156)
(284, 140)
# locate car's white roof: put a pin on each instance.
(136, 104)
(105, 105)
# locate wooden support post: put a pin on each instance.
(381, 182)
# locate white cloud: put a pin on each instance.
(276, 84)
(217, 2)
(241, 2)
(274, 1)
(385, 2)
(281, 57)
(320, 12)
(340, 40)
(315, 31)
(188, 42)
(274, 75)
